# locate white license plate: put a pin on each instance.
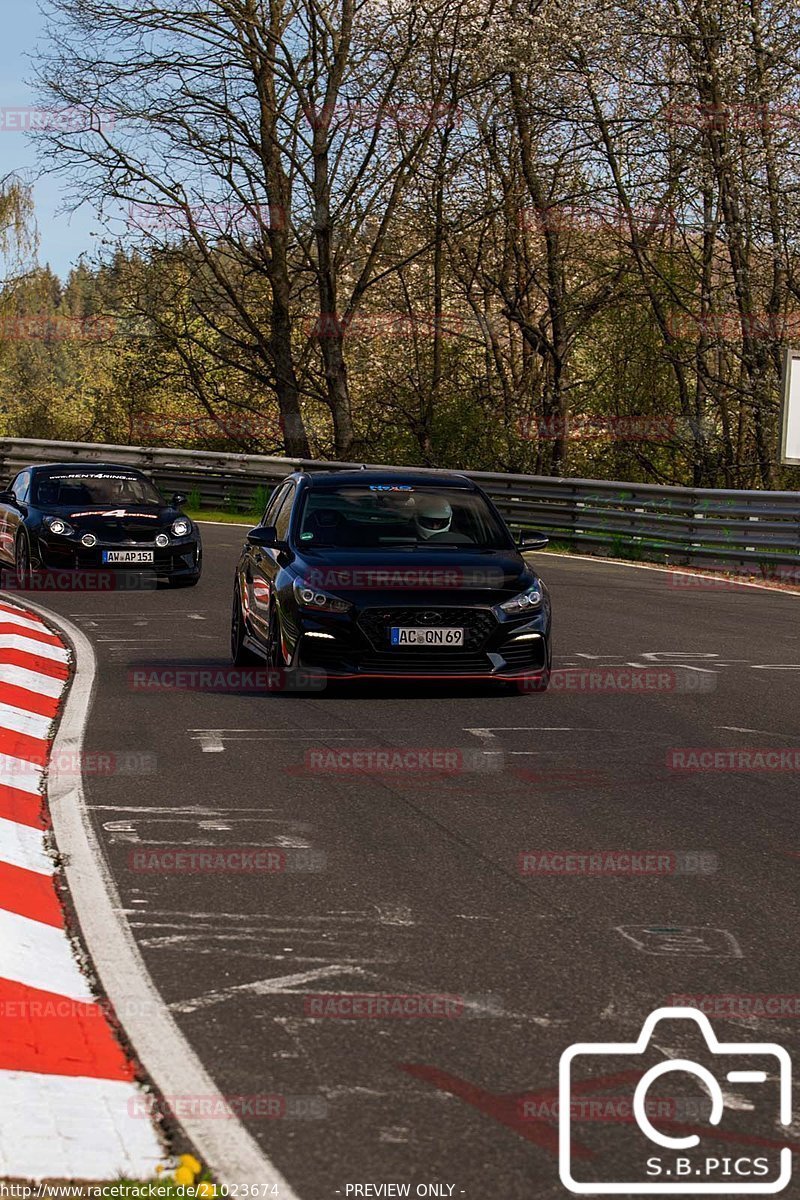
(127, 556)
(402, 636)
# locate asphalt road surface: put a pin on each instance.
(420, 890)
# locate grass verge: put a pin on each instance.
(218, 514)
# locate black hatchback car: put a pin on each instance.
(93, 517)
(390, 573)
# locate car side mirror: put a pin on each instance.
(532, 540)
(7, 498)
(178, 499)
(265, 536)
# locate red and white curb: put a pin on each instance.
(225, 1146)
(69, 1104)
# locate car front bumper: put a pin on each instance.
(180, 559)
(358, 645)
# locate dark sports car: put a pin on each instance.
(96, 517)
(390, 573)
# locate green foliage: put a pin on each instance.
(621, 546)
(260, 499)
(99, 359)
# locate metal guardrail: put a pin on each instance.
(632, 520)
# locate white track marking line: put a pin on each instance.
(231, 1153)
(210, 743)
(615, 562)
(24, 846)
(490, 732)
(229, 524)
(10, 641)
(22, 721)
(38, 1109)
(137, 641)
(32, 681)
(765, 732)
(184, 810)
(124, 618)
(19, 773)
(267, 987)
(40, 956)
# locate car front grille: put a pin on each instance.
(478, 624)
(432, 662)
(127, 534)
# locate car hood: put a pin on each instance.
(130, 516)
(394, 574)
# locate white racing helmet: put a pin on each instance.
(432, 515)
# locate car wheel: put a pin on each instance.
(22, 561)
(242, 657)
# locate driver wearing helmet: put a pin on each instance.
(433, 518)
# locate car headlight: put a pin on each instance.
(526, 601)
(162, 540)
(59, 527)
(181, 527)
(88, 540)
(308, 596)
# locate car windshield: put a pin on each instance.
(73, 489)
(375, 516)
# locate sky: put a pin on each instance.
(62, 236)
